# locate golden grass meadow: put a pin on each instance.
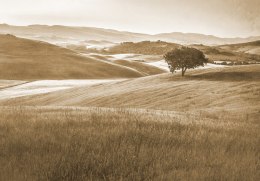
(48, 143)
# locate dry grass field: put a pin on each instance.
(94, 144)
(232, 89)
(204, 126)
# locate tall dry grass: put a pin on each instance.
(65, 144)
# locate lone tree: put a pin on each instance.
(184, 58)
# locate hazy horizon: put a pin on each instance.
(27, 25)
(221, 18)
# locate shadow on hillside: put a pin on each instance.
(227, 76)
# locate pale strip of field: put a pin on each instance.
(10, 83)
(133, 57)
(124, 56)
(163, 65)
(98, 47)
(45, 86)
(160, 64)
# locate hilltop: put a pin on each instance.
(144, 47)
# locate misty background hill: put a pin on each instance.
(66, 34)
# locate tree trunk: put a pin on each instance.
(183, 70)
(182, 73)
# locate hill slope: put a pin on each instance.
(221, 53)
(23, 59)
(250, 47)
(141, 67)
(144, 47)
(214, 53)
(225, 89)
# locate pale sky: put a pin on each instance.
(224, 18)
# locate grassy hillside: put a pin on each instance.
(140, 67)
(213, 53)
(250, 47)
(23, 59)
(135, 61)
(145, 47)
(75, 144)
(233, 89)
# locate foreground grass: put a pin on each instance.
(53, 144)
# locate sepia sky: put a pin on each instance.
(225, 18)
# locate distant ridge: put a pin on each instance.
(59, 33)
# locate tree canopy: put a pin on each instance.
(184, 58)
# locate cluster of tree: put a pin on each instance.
(184, 58)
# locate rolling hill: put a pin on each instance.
(144, 47)
(23, 59)
(232, 89)
(221, 53)
(249, 47)
(213, 53)
(65, 34)
(131, 61)
(141, 67)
